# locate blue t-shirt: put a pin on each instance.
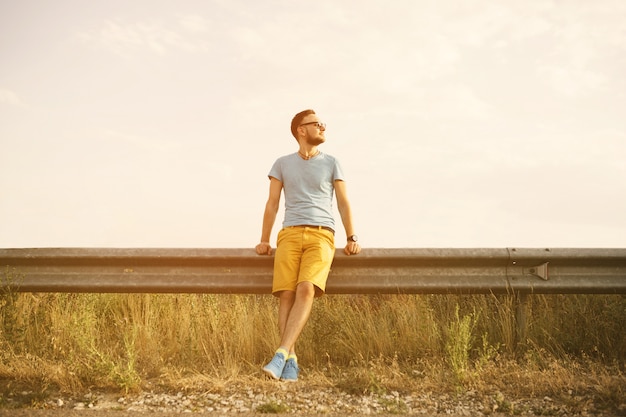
(308, 186)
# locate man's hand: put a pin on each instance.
(352, 248)
(263, 248)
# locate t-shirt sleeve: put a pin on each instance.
(276, 171)
(338, 172)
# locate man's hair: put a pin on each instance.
(297, 120)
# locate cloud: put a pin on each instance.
(571, 81)
(183, 34)
(194, 23)
(461, 102)
(140, 142)
(588, 45)
(11, 98)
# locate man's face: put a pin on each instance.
(314, 130)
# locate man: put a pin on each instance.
(306, 243)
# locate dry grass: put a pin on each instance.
(576, 345)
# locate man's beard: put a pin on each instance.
(315, 141)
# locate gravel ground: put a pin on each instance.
(302, 400)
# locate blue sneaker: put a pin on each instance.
(291, 371)
(275, 368)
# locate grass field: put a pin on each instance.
(575, 344)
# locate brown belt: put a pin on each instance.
(330, 229)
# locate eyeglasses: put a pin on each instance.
(319, 125)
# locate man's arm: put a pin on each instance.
(345, 211)
(269, 216)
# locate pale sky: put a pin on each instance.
(458, 124)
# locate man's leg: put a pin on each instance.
(286, 300)
(293, 313)
(298, 315)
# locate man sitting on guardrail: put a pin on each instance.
(305, 246)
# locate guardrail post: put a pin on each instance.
(521, 314)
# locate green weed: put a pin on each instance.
(272, 407)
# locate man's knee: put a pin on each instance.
(305, 290)
(287, 296)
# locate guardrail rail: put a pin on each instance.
(515, 271)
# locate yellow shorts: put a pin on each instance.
(303, 254)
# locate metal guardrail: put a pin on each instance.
(374, 271)
(519, 272)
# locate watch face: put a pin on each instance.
(354, 238)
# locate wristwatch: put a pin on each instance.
(353, 238)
